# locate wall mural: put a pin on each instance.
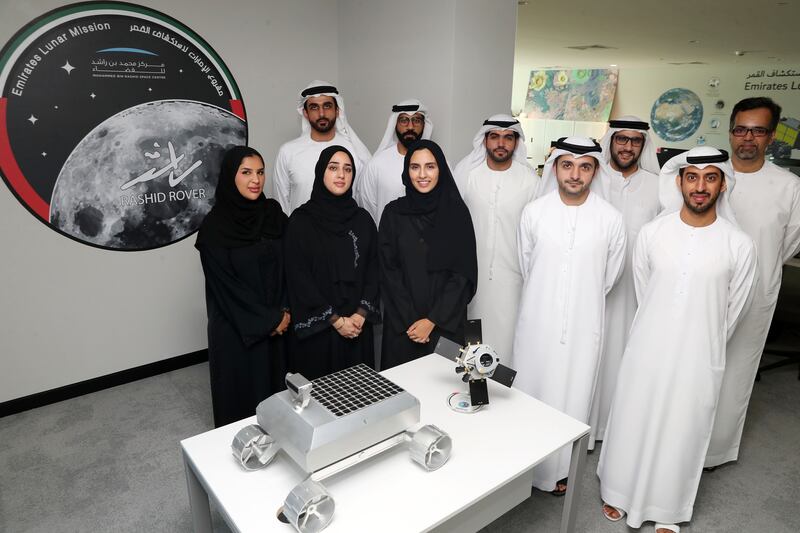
(113, 121)
(580, 94)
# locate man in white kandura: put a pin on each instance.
(497, 182)
(571, 246)
(767, 206)
(382, 180)
(693, 270)
(630, 152)
(324, 124)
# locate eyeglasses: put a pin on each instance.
(741, 131)
(622, 140)
(403, 121)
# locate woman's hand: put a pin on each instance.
(347, 328)
(420, 331)
(284, 325)
(358, 320)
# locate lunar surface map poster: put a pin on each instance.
(113, 122)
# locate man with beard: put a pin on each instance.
(324, 124)
(571, 246)
(497, 182)
(629, 150)
(693, 270)
(767, 206)
(382, 181)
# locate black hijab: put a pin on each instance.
(450, 237)
(235, 221)
(333, 216)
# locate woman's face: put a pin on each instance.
(250, 177)
(338, 174)
(423, 170)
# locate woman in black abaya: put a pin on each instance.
(332, 272)
(241, 250)
(429, 267)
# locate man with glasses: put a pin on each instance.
(766, 203)
(323, 124)
(629, 150)
(382, 180)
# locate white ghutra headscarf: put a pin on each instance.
(478, 155)
(323, 88)
(669, 192)
(648, 159)
(578, 147)
(409, 107)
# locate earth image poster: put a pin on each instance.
(676, 114)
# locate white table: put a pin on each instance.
(489, 472)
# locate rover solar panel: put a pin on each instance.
(318, 423)
(352, 389)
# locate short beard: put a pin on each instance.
(407, 138)
(316, 127)
(699, 210)
(624, 166)
(747, 154)
(490, 155)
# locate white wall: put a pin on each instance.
(69, 312)
(456, 56)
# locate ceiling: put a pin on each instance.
(649, 33)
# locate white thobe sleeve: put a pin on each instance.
(739, 288)
(368, 191)
(526, 241)
(358, 183)
(282, 180)
(791, 238)
(461, 175)
(640, 264)
(615, 260)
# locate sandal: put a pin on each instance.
(617, 509)
(671, 527)
(558, 492)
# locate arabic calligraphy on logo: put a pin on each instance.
(124, 153)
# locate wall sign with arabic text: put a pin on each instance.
(113, 121)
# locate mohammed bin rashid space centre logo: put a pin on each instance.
(113, 122)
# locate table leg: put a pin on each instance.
(198, 501)
(576, 466)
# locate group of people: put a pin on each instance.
(633, 298)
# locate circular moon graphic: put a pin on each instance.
(144, 177)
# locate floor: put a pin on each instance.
(110, 461)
